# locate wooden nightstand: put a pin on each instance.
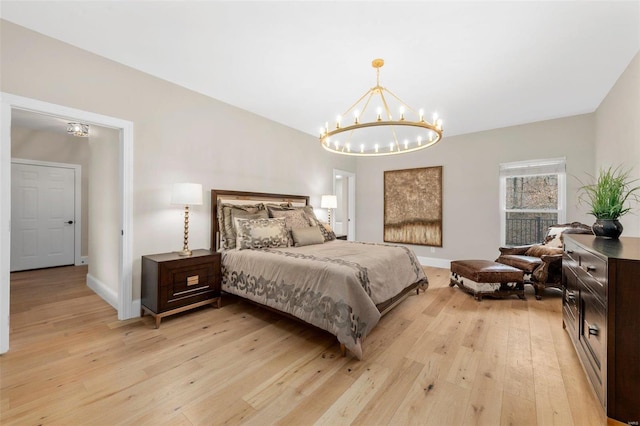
(172, 283)
(341, 237)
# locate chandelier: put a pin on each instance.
(374, 131)
(78, 129)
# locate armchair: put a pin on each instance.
(542, 263)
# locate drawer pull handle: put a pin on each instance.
(569, 251)
(570, 295)
(593, 330)
(194, 280)
(589, 268)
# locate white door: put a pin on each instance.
(344, 186)
(42, 216)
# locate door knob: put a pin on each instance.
(70, 222)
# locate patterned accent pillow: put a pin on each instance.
(261, 233)
(308, 211)
(327, 232)
(293, 219)
(226, 213)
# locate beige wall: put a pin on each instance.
(180, 136)
(471, 215)
(104, 208)
(56, 147)
(618, 133)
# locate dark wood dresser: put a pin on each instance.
(601, 313)
(172, 283)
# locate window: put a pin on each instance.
(532, 198)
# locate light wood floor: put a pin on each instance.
(439, 358)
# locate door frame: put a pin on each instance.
(351, 197)
(77, 182)
(8, 102)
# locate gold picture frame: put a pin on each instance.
(413, 206)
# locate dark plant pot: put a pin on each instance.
(607, 228)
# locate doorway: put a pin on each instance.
(44, 217)
(123, 300)
(344, 187)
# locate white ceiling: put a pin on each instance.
(480, 65)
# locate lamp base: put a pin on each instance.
(185, 253)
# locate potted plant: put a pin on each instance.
(609, 197)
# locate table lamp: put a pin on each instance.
(186, 194)
(329, 202)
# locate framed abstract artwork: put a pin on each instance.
(413, 206)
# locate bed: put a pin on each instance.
(277, 254)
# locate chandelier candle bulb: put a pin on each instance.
(421, 112)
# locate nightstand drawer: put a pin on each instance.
(188, 285)
(188, 278)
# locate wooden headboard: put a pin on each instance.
(242, 197)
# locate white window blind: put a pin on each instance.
(534, 167)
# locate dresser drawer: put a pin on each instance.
(571, 296)
(593, 338)
(592, 271)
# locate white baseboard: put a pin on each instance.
(434, 262)
(103, 291)
(84, 260)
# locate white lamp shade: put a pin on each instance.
(329, 202)
(186, 193)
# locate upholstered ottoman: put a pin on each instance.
(487, 278)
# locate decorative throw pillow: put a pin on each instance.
(293, 219)
(240, 214)
(308, 211)
(277, 207)
(261, 233)
(554, 236)
(307, 236)
(327, 232)
(226, 212)
(538, 250)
